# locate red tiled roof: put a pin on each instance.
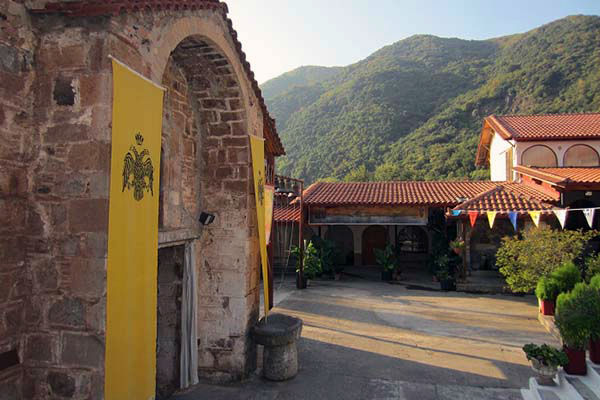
(290, 213)
(438, 193)
(509, 197)
(546, 126)
(564, 175)
(93, 8)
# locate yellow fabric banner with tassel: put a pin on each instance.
(257, 147)
(130, 354)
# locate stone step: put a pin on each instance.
(568, 387)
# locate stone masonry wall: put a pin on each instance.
(19, 220)
(55, 123)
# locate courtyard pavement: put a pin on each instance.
(372, 340)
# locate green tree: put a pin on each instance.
(524, 259)
(387, 171)
(359, 174)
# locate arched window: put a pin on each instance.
(412, 239)
(539, 156)
(581, 155)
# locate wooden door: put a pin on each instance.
(374, 237)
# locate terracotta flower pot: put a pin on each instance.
(457, 250)
(577, 364)
(595, 351)
(546, 307)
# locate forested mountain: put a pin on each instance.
(414, 109)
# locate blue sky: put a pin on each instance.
(280, 35)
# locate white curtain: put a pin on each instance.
(189, 341)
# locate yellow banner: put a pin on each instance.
(133, 237)
(491, 215)
(269, 199)
(257, 146)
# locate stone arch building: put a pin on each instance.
(55, 124)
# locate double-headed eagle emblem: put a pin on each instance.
(138, 171)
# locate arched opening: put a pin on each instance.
(412, 239)
(343, 239)
(374, 237)
(203, 135)
(539, 156)
(581, 155)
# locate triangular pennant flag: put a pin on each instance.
(473, 217)
(512, 215)
(535, 216)
(562, 217)
(455, 213)
(589, 215)
(491, 217)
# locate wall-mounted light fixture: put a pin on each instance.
(589, 194)
(206, 218)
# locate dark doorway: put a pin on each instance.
(344, 244)
(168, 320)
(374, 237)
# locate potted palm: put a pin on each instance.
(311, 264)
(546, 292)
(387, 259)
(545, 361)
(443, 273)
(574, 319)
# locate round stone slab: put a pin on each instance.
(278, 330)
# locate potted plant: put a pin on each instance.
(546, 292)
(545, 361)
(595, 331)
(387, 259)
(457, 246)
(574, 319)
(566, 276)
(443, 273)
(311, 264)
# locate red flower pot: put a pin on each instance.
(546, 307)
(577, 364)
(595, 351)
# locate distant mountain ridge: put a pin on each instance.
(413, 109)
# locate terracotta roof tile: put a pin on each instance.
(564, 175)
(290, 213)
(546, 126)
(92, 8)
(508, 197)
(439, 193)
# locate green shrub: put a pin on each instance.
(592, 266)
(547, 289)
(539, 251)
(595, 282)
(546, 355)
(577, 315)
(566, 277)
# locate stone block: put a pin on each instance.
(96, 317)
(65, 133)
(89, 156)
(88, 215)
(67, 312)
(61, 384)
(40, 348)
(45, 275)
(73, 56)
(10, 390)
(11, 59)
(82, 350)
(94, 89)
(219, 129)
(88, 278)
(231, 116)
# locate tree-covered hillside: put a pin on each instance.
(414, 109)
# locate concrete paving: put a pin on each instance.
(372, 340)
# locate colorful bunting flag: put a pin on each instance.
(589, 215)
(473, 217)
(512, 215)
(491, 215)
(562, 217)
(456, 213)
(535, 216)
